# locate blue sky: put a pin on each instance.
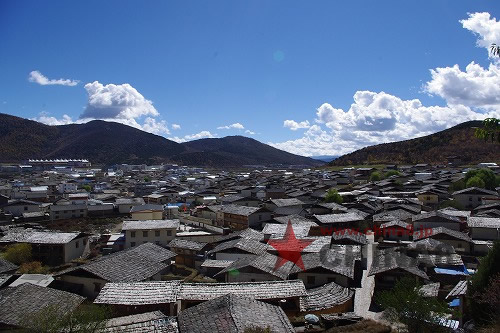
(322, 77)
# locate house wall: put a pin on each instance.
(163, 239)
(421, 225)
(71, 251)
(63, 212)
(156, 215)
(257, 218)
(426, 199)
(469, 200)
(88, 284)
(18, 210)
(249, 277)
(322, 278)
(459, 245)
(484, 233)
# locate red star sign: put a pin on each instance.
(289, 248)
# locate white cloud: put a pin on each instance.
(154, 126)
(235, 126)
(249, 132)
(375, 118)
(45, 118)
(293, 125)
(476, 87)
(37, 77)
(189, 137)
(487, 28)
(176, 127)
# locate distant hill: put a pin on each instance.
(242, 151)
(433, 149)
(111, 143)
(325, 158)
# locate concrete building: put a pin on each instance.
(159, 232)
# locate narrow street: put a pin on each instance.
(363, 296)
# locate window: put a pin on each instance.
(470, 198)
(157, 242)
(77, 244)
(81, 210)
(145, 233)
(25, 207)
(97, 287)
(311, 279)
(132, 244)
(157, 233)
(132, 234)
(169, 232)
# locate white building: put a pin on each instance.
(159, 232)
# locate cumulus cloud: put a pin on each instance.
(293, 125)
(373, 118)
(45, 118)
(487, 28)
(475, 87)
(232, 126)
(176, 127)
(37, 77)
(250, 132)
(189, 137)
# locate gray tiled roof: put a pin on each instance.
(245, 233)
(6, 266)
(384, 261)
(150, 224)
(139, 293)
(459, 289)
(294, 218)
(244, 244)
(430, 290)
(239, 210)
(452, 259)
(325, 297)
(442, 231)
(132, 265)
(483, 222)
(216, 263)
(265, 263)
(147, 322)
(38, 237)
(300, 229)
(259, 290)
(353, 235)
(186, 244)
(17, 304)
(286, 202)
(233, 314)
(339, 218)
(431, 245)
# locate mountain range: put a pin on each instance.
(109, 143)
(458, 142)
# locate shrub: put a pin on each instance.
(333, 196)
(475, 182)
(18, 253)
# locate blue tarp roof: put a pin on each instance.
(454, 303)
(452, 271)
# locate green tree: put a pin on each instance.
(489, 131)
(376, 176)
(18, 253)
(475, 182)
(333, 196)
(147, 179)
(457, 186)
(87, 188)
(451, 203)
(405, 304)
(392, 173)
(491, 181)
(489, 266)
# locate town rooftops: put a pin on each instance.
(430, 289)
(475, 190)
(19, 304)
(264, 290)
(385, 261)
(441, 231)
(132, 265)
(154, 321)
(294, 218)
(339, 218)
(460, 289)
(239, 210)
(139, 293)
(436, 215)
(233, 313)
(287, 202)
(212, 263)
(244, 244)
(39, 237)
(483, 222)
(300, 229)
(325, 297)
(150, 224)
(186, 244)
